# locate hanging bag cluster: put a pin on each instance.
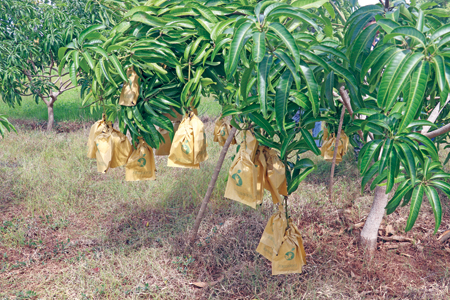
(291, 255)
(327, 149)
(272, 236)
(141, 164)
(188, 147)
(96, 129)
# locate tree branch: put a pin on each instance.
(438, 132)
(66, 89)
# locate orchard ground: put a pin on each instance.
(68, 232)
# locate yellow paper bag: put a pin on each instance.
(242, 176)
(121, 149)
(141, 164)
(182, 149)
(164, 148)
(291, 256)
(273, 234)
(129, 95)
(96, 129)
(261, 169)
(104, 152)
(200, 144)
(249, 143)
(276, 176)
(327, 149)
(221, 132)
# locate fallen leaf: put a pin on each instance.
(199, 284)
(445, 236)
(352, 274)
(389, 229)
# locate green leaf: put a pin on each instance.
(409, 161)
(369, 174)
(394, 165)
(73, 73)
(435, 203)
(294, 14)
(88, 30)
(293, 185)
(444, 186)
(310, 141)
(262, 122)
(62, 52)
(281, 99)
(387, 148)
(416, 202)
(204, 11)
(329, 85)
(439, 68)
(305, 4)
(288, 40)
(105, 72)
(263, 76)
(313, 88)
(244, 81)
(290, 64)
(259, 46)
(88, 59)
(235, 49)
(364, 39)
(220, 27)
(430, 146)
(344, 73)
(115, 61)
(401, 78)
(407, 31)
(331, 51)
(373, 58)
(395, 201)
(367, 154)
(388, 75)
(144, 18)
(418, 85)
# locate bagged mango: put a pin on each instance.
(188, 147)
(130, 94)
(96, 129)
(221, 132)
(242, 176)
(291, 255)
(113, 149)
(141, 163)
(164, 148)
(261, 169)
(121, 149)
(249, 143)
(272, 236)
(276, 176)
(327, 149)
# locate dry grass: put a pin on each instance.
(68, 232)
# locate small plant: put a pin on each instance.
(183, 263)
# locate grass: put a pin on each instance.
(68, 232)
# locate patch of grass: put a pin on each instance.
(72, 233)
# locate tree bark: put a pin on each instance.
(333, 163)
(51, 115)
(369, 234)
(211, 185)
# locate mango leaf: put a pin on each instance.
(259, 46)
(263, 76)
(433, 198)
(281, 99)
(235, 49)
(416, 202)
(288, 40)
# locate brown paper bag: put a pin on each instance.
(96, 129)
(261, 169)
(182, 149)
(249, 143)
(276, 177)
(141, 164)
(327, 149)
(200, 143)
(104, 153)
(129, 95)
(242, 176)
(164, 148)
(221, 132)
(273, 234)
(291, 256)
(121, 149)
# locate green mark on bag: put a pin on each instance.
(142, 161)
(289, 255)
(185, 147)
(237, 178)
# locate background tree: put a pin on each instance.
(31, 33)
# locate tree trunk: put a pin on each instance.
(369, 234)
(51, 116)
(211, 185)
